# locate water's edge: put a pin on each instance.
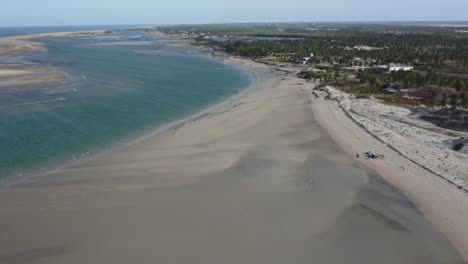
(9, 180)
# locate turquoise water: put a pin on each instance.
(115, 92)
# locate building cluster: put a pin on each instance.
(395, 67)
(305, 60)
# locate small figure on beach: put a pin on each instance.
(357, 155)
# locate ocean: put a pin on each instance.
(121, 85)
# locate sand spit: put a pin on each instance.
(251, 180)
(12, 72)
(16, 46)
(26, 75)
(20, 45)
(12, 77)
(361, 125)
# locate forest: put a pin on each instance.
(372, 48)
(355, 57)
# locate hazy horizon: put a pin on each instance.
(388, 22)
(147, 12)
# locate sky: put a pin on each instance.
(156, 12)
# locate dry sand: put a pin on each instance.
(422, 142)
(443, 204)
(251, 180)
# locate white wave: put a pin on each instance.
(37, 102)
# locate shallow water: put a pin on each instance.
(292, 196)
(113, 93)
(167, 206)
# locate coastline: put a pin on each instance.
(75, 184)
(445, 206)
(22, 44)
(56, 166)
(19, 74)
(450, 223)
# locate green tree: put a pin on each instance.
(454, 100)
(444, 101)
(460, 85)
(374, 88)
(433, 98)
(464, 100)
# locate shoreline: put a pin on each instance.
(432, 172)
(7, 181)
(444, 205)
(449, 225)
(238, 135)
(25, 44)
(434, 198)
(23, 75)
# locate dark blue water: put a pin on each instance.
(115, 92)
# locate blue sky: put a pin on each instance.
(106, 12)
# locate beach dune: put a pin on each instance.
(253, 179)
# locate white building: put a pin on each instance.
(394, 67)
(385, 67)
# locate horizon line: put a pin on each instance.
(253, 22)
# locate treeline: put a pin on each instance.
(411, 79)
(377, 80)
(379, 48)
(453, 100)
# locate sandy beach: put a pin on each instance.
(254, 179)
(445, 205)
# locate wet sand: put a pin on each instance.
(254, 179)
(22, 76)
(12, 72)
(21, 45)
(26, 75)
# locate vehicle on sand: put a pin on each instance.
(374, 155)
